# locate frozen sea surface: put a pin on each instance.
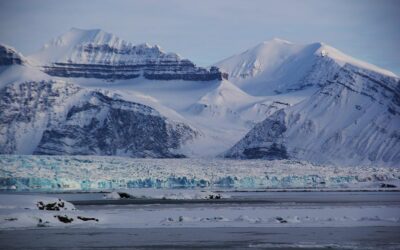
(116, 202)
(291, 209)
(205, 238)
(279, 220)
(105, 173)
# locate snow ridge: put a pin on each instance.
(98, 54)
(278, 66)
(354, 119)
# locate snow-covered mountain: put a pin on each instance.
(96, 60)
(279, 66)
(353, 119)
(102, 123)
(90, 92)
(98, 54)
(44, 115)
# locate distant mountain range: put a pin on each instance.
(88, 92)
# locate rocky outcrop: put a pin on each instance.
(54, 117)
(265, 141)
(167, 70)
(26, 109)
(108, 126)
(9, 56)
(98, 54)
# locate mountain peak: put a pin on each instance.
(96, 46)
(277, 40)
(10, 56)
(264, 68)
(98, 54)
(341, 58)
(273, 44)
(75, 29)
(77, 36)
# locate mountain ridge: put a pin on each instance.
(262, 70)
(99, 54)
(40, 114)
(303, 102)
(353, 119)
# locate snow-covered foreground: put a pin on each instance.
(20, 211)
(18, 172)
(27, 211)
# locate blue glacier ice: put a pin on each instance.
(26, 172)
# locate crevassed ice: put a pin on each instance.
(97, 173)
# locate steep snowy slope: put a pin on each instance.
(98, 54)
(91, 58)
(222, 112)
(265, 57)
(354, 119)
(226, 113)
(101, 123)
(279, 66)
(222, 101)
(44, 115)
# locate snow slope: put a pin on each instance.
(221, 111)
(278, 66)
(263, 80)
(46, 115)
(354, 119)
(70, 47)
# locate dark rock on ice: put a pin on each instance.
(385, 185)
(64, 219)
(55, 206)
(87, 218)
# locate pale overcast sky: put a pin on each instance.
(207, 31)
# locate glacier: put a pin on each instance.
(62, 173)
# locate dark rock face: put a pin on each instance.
(125, 50)
(169, 70)
(28, 106)
(264, 141)
(273, 152)
(93, 71)
(107, 126)
(127, 62)
(9, 56)
(52, 117)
